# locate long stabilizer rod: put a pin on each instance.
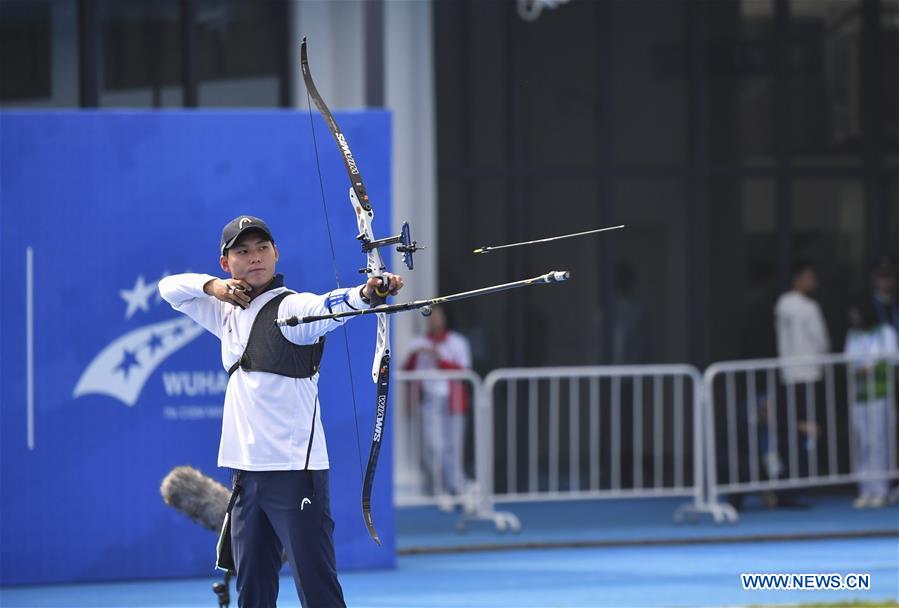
(555, 276)
(546, 240)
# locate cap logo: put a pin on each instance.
(242, 220)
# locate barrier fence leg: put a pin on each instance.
(705, 496)
(482, 490)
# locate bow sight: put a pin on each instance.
(406, 246)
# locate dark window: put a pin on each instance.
(142, 42)
(25, 50)
(825, 60)
(731, 137)
(889, 82)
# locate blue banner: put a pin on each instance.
(104, 387)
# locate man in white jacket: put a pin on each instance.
(444, 404)
(272, 436)
(801, 332)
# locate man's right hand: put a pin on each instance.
(232, 291)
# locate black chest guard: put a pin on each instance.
(269, 351)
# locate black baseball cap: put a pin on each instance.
(240, 225)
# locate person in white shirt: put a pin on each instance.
(444, 404)
(872, 341)
(800, 326)
(801, 332)
(272, 436)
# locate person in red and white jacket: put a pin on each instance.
(444, 403)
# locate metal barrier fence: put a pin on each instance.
(593, 432)
(767, 434)
(420, 472)
(537, 434)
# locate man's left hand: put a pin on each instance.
(375, 286)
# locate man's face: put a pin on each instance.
(884, 284)
(251, 259)
(807, 281)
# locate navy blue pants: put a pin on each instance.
(287, 511)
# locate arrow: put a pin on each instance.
(552, 238)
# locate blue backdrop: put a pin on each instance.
(125, 388)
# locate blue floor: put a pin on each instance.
(637, 521)
(687, 574)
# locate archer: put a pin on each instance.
(272, 437)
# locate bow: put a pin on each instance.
(375, 268)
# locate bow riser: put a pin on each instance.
(374, 268)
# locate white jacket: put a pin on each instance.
(801, 332)
(267, 418)
(453, 352)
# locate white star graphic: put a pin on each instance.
(138, 297)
